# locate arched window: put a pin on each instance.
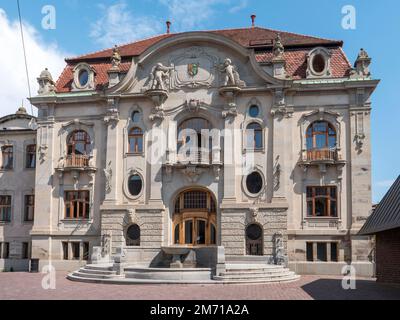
(195, 219)
(321, 141)
(254, 136)
(133, 235)
(254, 240)
(321, 135)
(78, 149)
(194, 134)
(135, 117)
(135, 140)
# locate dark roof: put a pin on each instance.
(297, 47)
(387, 214)
(247, 37)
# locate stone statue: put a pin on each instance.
(278, 49)
(232, 77)
(158, 76)
(116, 58)
(46, 83)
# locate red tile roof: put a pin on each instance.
(258, 38)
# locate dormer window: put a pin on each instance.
(83, 77)
(318, 63)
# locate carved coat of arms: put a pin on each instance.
(193, 69)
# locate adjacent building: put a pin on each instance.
(244, 141)
(384, 223)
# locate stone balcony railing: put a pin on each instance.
(77, 161)
(326, 154)
(196, 157)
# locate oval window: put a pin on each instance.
(133, 235)
(319, 63)
(254, 183)
(83, 77)
(254, 111)
(135, 185)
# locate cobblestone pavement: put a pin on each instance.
(28, 286)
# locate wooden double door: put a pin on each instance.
(195, 228)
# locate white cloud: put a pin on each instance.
(13, 84)
(240, 6)
(385, 183)
(191, 14)
(118, 25)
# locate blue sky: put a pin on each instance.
(86, 26)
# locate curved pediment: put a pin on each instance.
(194, 60)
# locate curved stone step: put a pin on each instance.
(100, 267)
(259, 281)
(168, 274)
(255, 271)
(93, 276)
(254, 276)
(98, 272)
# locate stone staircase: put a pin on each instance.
(93, 272)
(249, 269)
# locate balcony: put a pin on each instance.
(196, 157)
(329, 155)
(77, 161)
(321, 157)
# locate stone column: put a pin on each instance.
(230, 170)
(112, 153)
(155, 159)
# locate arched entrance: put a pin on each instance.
(254, 240)
(194, 219)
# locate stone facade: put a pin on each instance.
(154, 86)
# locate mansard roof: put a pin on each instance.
(297, 47)
(386, 216)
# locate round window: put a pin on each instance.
(319, 63)
(254, 111)
(254, 183)
(133, 232)
(83, 77)
(135, 185)
(254, 232)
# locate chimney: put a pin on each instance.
(253, 20)
(168, 27)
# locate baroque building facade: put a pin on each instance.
(236, 143)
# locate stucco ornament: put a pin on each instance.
(158, 76)
(108, 174)
(46, 83)
(232, 77)
(116, 58)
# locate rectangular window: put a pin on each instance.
(25, 250)
(29, 208)
(75, 246)
(5, 208)
(334, 252)
(310, 252)
(7, 154)
(77, 204)
(322, 202)
(322, 252)
(65, 250)
(6, 250)
(86, 251)
(31, 156)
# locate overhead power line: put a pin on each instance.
(24, 51)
